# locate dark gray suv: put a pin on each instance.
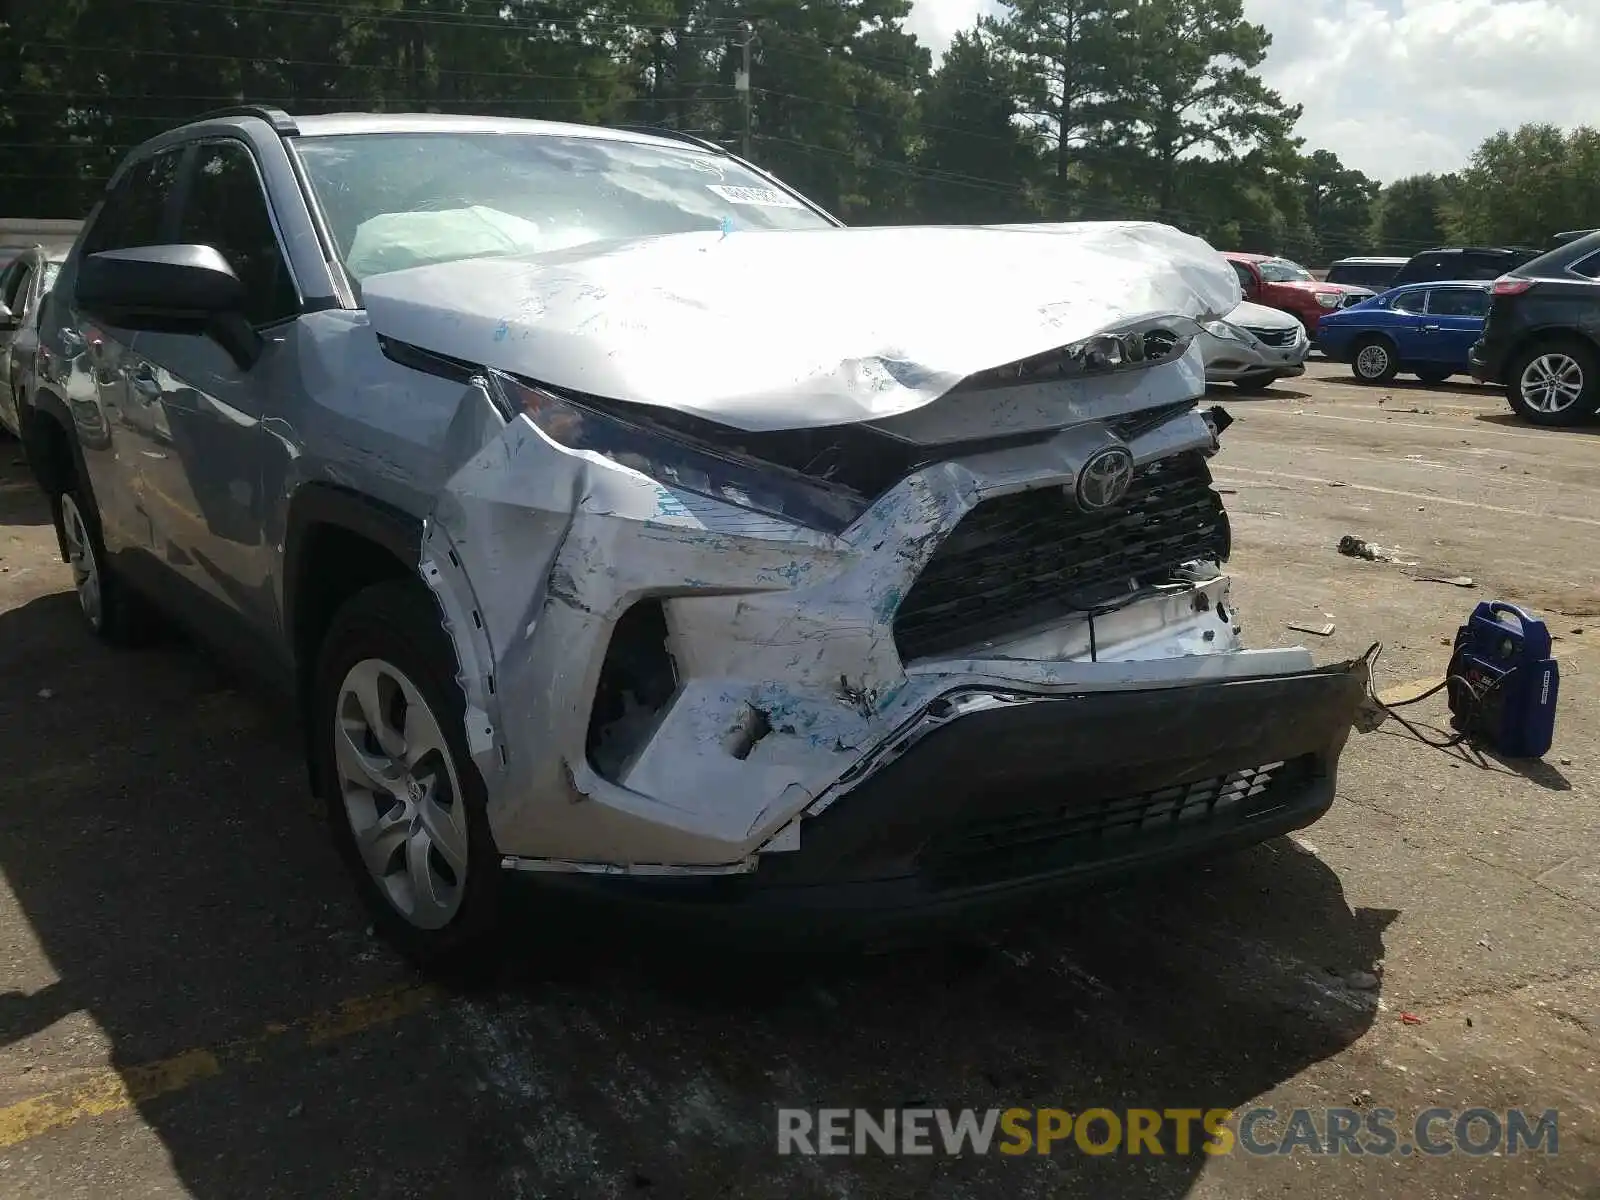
(616, 517)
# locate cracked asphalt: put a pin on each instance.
(190, 1003)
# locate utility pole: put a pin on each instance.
(741, 83)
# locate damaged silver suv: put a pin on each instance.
(617, 516)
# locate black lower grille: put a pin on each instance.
(1076, 832)
(1032, 557)
(1274, 337)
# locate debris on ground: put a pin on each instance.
(1319, 630)
(1337, 483)
(1460, 581)
(1410, 1018)
(1353, 547)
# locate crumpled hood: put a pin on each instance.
(774, 330)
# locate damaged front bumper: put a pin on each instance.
(667, 690)
(992, 798)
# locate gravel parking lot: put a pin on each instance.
(191, 1003)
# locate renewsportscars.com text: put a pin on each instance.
(1259, 1131)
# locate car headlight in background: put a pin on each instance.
(1329, 299)
(1221, 329)
(678, 459)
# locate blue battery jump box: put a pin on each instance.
(1503, 682)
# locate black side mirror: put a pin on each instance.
(170, 289)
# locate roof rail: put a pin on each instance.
(282, 123)
(676, 135)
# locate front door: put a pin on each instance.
(207, 489)
(1410, 337)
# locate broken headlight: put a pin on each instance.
(677, 458)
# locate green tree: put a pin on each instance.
(979, 161)
(1064, 58)
(1192, 87)
(1521, 187)
(1338, 204)
(1408, 215)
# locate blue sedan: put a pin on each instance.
(1424, 328)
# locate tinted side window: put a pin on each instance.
(1487, 266)
(1243, 272)
(1409, 302)
(1458, 302)
(133, 214)
(1588, 267)
(226, 209)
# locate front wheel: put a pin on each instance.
(406, 804)
(1373, 360)
(1555, 383)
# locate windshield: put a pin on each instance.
(1281, 270)
(397, 200)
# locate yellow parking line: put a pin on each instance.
(110, 1091)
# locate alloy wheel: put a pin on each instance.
(1372, 362)
(1552, 383)
(81, 558)
(401, 793)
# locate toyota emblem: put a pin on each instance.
(1105, 479)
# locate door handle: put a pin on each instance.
(1430, 329)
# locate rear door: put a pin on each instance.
(1455, 322)
(115, 432)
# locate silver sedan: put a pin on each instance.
(1253, 347)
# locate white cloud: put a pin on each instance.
(1396, 87)
(936, 22)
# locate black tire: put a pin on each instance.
(1257, 383)
(1582, 369)
(1374, 360)
(1432, 377)
(114, 612)
(399, 623)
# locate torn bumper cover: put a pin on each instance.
(1000, 797)
(921, 636)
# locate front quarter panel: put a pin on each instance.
(350, 419)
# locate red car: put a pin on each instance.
(1281, 284)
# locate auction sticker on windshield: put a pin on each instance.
(765, 197)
